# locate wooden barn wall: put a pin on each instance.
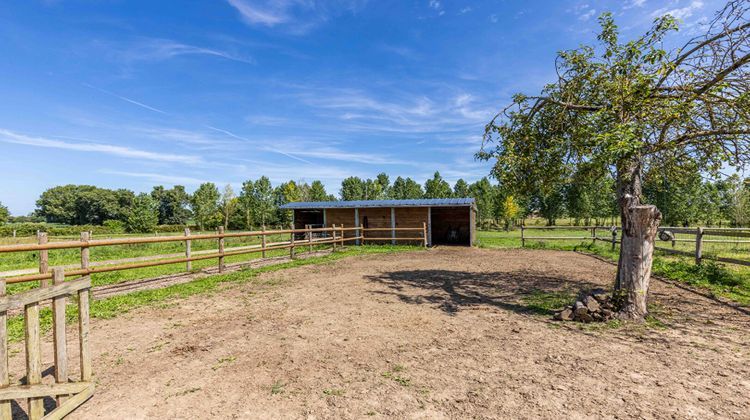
(340, 217)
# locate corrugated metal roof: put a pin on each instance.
(426, 202)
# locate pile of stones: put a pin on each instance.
(593, 306)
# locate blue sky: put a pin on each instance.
(130, 94)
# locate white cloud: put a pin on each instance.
(253, 14)
(587, 15)
(296, 16)
(162, 178)
(121, 151)
(164, 49)
(634, 3)
(680, 13)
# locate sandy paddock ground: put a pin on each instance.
(444, 333)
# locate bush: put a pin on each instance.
(114, 226)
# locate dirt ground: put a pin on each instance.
(444, 333)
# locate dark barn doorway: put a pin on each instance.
(303, 218)
(451, 225)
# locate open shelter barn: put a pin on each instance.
(449, 221)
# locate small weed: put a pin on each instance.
(391, 374)
(546, 303)
(371, 413)
(119, 361)
(223, 361)
(277, 388)
(655, 323)
(185, 392)
(333, 392)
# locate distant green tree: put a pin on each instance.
(83, 204)
(352, 188)
(143, 215)
(405, 189)
(227, 205)
(384, 184)
(287, 192)
(460, 189)
(484, 194)
(173, 204)
(4, 214)
(264, 207)
(437, 187)
(205, 205)
(318, 192)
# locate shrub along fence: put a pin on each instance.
(729, 245)
(70, 395)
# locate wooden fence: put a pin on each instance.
(702, 238)
(69, 395)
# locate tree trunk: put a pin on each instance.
(639, 227)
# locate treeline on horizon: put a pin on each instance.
(685, 200)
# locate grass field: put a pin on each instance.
(30, 260)
(725, 280)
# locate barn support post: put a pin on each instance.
(393, 226)
(356, 225)
(429, 226)
(325, 219)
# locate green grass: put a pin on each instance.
(725, 280)
(117, 305)
(546, 303)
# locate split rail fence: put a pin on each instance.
(70, 394)
(728, 245)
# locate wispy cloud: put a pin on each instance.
(132, 101)
(274, 149)
(157, 49)
(296, 16)
(680, 12)
(120, 151)
(162, 178)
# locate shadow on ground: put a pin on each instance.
(451, 291)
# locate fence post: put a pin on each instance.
(263, 242)
(33, 357)
(523, 240)
(291, 244)
(188, 264)
(342, 235)
(593, 235)
(614, 237)
(58, 333)
(5, 407)
(309, 237)
(43, 257)
(424, 234)
(698, 245)
(221, 249)
(83, 315)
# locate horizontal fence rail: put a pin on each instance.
(698, 242)
(335, 235)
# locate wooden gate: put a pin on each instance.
(67, 394)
